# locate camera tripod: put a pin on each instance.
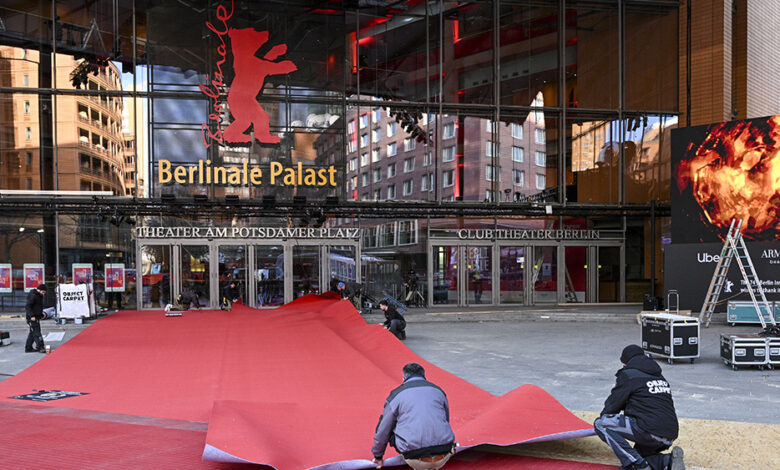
(414, 297)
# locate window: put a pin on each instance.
(363, 159)
(354, 182)
(408, 187)
(540, 182)
(449, 130)
(25, 80)
(29, 158)
(29, 183)
(517, 131)
(391, 192)
(518, 154)
(28, 133)
(375, 115)
(448, 154)
(391, 170)
(409, 165)
(539, 133)
(489, 196)
(427, 158)
(541, 158)
(491, 174)
(26, 107)
(376, 135)
(489, 125)
(375, 155)
(351, 127)
(518, 177)
(351, 145)
(364, 179)
(392, 149)
(363, 120)
(407, 232)
(391, 128)
(448, 178)
(365, 197)
(409, 144)
(377, 194)
(353, 164)
(426, 183)
(489, 148)
(364, 140)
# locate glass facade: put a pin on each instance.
(516, 104)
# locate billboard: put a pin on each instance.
(725, 171)
(721, 172)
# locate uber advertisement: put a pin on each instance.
(721, 172)
(689, 268)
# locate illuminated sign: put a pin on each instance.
(278, 175)
(518, 234)
(247, 232)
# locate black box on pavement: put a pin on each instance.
(670, 336)
(774, 351)
(744, 350)
(5, 338)
(652, 303)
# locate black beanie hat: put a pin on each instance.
(630, 351)
(41, 287)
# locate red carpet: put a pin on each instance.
(298, 387)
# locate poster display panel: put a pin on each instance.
(115, 277)
(82, 273)
(33, 276)
(6, 279)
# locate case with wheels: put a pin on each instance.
(5, 338)
(774, 351)
(742, 311)
(670, 336)
(743, 350)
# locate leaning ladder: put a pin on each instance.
(735, 245)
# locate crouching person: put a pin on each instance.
(640, 409)
(416, 421)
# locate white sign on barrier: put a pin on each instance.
(73, 300)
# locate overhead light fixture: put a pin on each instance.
(548, 209)
(40, 230)
(21, 229)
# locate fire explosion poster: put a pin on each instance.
(721, 172)
(725, 171)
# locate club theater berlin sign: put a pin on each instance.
(249, 76)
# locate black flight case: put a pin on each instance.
(744, 350)
(670, 336)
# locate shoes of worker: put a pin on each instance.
(677, 459)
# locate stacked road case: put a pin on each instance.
(744, 311)
(744, 350)
(670, 336)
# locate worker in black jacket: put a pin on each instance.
(394, 321)
(33, 309)
(648, 417)
(231, 294)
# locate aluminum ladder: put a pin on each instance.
(734, 247)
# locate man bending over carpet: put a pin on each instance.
(416, 421)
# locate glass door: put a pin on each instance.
(512, 272)
(478, 275)
(269, 275)
(305, 270)
(232, 271)
(545, 275)
(445, 275)
(341, 264)
(609, 274)
(576, 275)
(155, 276)
(195, 274)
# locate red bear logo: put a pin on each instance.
(250, 75)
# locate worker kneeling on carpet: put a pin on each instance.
(648, 417)
(416, 421)
(394, 321)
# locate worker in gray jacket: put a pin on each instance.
(416, 421)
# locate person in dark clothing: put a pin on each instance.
(394, 321)
(648, 417)
(416, 421)
(189, 298)
(351, 291)
(231, 294)
(34, 312)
